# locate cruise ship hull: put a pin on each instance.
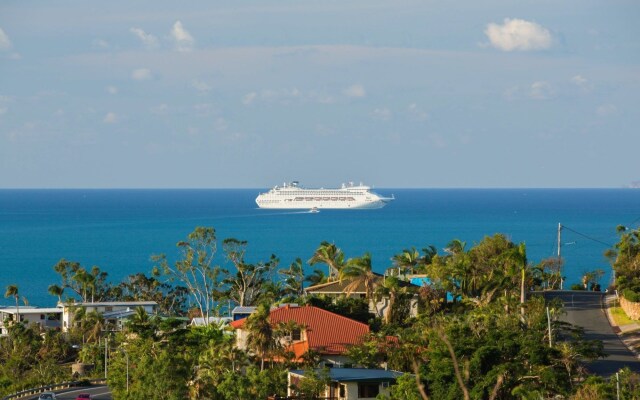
(292, 196)
(321, 205)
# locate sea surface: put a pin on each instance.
(119, 230)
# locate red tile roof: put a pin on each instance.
(327, 333)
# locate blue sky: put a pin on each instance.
(159, 94)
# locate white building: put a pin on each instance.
(114, 311)
(45, 318)
(350, 383)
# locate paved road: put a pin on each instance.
(100, 392)
(585, 309)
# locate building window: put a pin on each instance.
(41, 316)
(296, 334)
(108, 308)
(342, 392)
(368, 390)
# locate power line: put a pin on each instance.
(586, 236)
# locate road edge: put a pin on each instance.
(606, 305)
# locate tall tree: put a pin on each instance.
(293, 278)
(329, 254)
(56, 290)
(261, 338)
(88, 285)
(195, 269)
(246, 285)
(12, 291)
(316, 277)
(406, 261)
(359, 272)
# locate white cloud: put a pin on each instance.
(383, 114)
(582, 82)
(220, 125)
(141, 74)
(183, 39)
(324, 130)
(110, 118)
(518, 34)
(100, 44)
(541, 90)
(417, 113)
(249, 98)
(606, 110)
(201, 86)
(161, 109)
(148, 40)
(355, 91)
(5, 42)
(111, 89)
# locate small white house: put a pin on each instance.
(350, 383)
(45, 318)
(112, 310)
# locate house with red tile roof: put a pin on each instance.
(323, 332)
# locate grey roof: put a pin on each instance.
(31, 310)
(243, 310)
(357, 374)
(111, 303)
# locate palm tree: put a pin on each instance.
(12, 291)
(56, 290)
(358, 271)
(93, 324)
(391, 289)
(330, 255)
(456, 246)
(261, 336)
(406, 261)
(316, 277)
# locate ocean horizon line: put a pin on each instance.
(327, 187)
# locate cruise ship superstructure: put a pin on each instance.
(293, 196)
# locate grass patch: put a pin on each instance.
(619, 316)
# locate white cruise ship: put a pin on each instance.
(293, 195)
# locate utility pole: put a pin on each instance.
(549, 325)
(106, 343)
(559, 252)
(559, 241)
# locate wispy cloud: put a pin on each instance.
(141, 74)
(417, 113)
(148, 40)
(182, 38)
(111, 89)
(249, 98)
(200, 86)
(606, 110)
(541, 90)
(382, 114)
(110, 118)
(582, 82)
(356, 90)
(100, 44)
(5, 42)
(518, 34)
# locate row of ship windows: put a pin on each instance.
(323, 199)
(331, 193)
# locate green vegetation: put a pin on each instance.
(468, 334)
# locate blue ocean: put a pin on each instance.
(119, 230)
